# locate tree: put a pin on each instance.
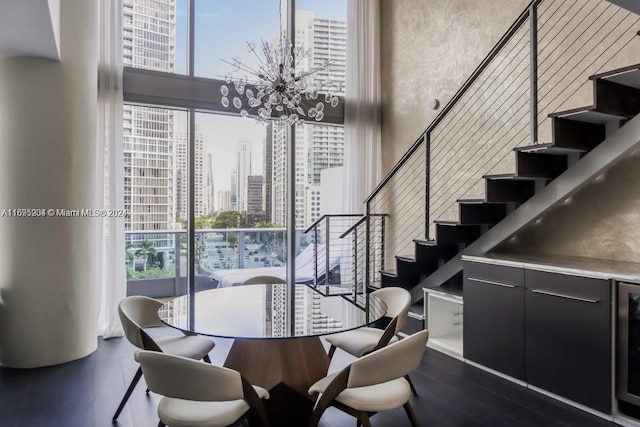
(146, 251)
(229, 219)
(130, 255)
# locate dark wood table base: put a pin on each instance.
(286, 367)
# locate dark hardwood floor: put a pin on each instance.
(86, 392)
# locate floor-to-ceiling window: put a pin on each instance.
(208, 187)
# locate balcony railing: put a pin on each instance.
(157, 260)
(330, 256)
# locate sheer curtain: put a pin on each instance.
(110, 170)
(362, 104)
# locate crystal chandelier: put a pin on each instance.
(276, 89)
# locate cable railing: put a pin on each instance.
(333, 262)
(368, 252)
(540, 65)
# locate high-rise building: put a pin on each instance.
(149, 42)
(278, 141)
(268, 173)
(255, 205)
(224, 200)
(233, 193)
(203, 178)
(318, 146)
(209, 187)
(244, 152)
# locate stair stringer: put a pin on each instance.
(613, 149)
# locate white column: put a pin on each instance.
(48, 274)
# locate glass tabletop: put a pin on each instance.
(260, 311)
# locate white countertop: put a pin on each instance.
(585, 267)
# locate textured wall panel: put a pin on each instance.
(477, 137)
(599, 222)
(577, 40)
(428, 49)
(403, 199)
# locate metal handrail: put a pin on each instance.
(323, 217)
(360, 221)
(456, 97)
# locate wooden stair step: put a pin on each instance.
(408, 266)
(513, 176)
(572, 134)
(540, 165)
(389, 273)
(482, 213)
(505, 190)
(588, 115)
(449, 233)
(626, 76)
(429, 250)
(390, 278)
(548, 148)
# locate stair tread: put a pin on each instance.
(408, 258)
(588, 114)
(548, 148)
(389, 272)
(513, 176)
(627, 76)
(425, 242)
(454, 223)
(471, 201)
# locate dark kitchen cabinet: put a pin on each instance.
(551, 330)
(568, 337)
(494, 317)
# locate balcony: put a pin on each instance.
(157, 263)
(152, 268)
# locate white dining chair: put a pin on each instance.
(373, 383)
(139, 312)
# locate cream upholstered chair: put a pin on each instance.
(200, 394)
(264, 280)
(139, 312)
(359, 342)
(373, 383)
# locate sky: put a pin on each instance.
(222, 29)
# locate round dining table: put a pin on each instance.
(273, 347)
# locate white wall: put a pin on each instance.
(48, 278)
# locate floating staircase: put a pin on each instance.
(574, 134)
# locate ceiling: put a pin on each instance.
(30, 28)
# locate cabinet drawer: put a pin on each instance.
(568, 348)
(493, 332)
(496, 274)
(583, 289)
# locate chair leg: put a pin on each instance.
(413, 389)
(206, 359)
(332, 350)
(133, 384)
(363, 418)
(412, 416)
